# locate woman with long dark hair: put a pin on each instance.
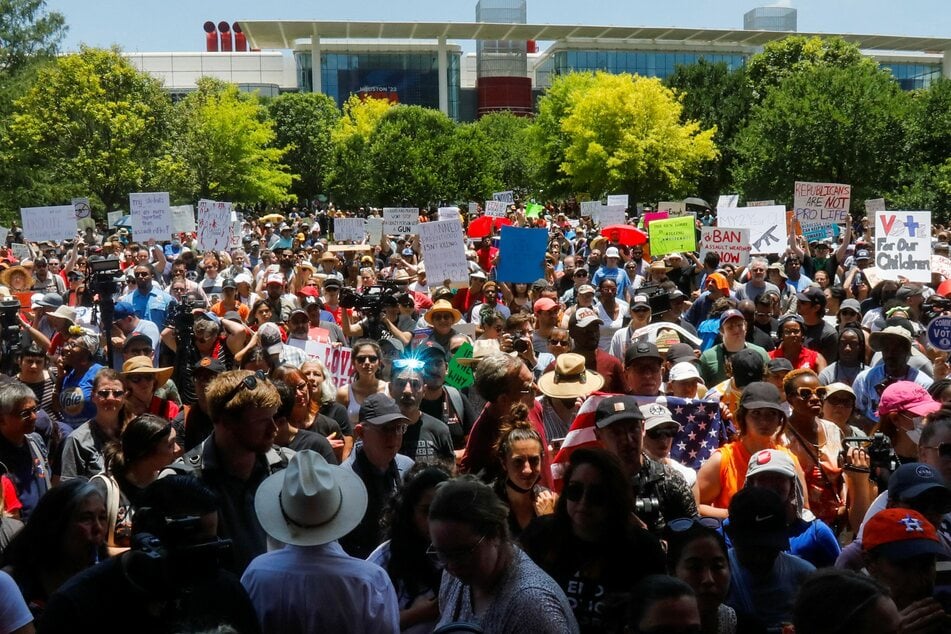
(403, 555)
(366, 380)
(851, 361)
(697, 555)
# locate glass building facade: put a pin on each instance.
(770, 19)
(913, 75)
(645, 63)
(408, 77)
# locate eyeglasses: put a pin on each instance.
(684, 524)
(943, 449)
(806, 393)
(249, 382)
(841, 401)
(25, 414)
(391, 430)
(792, 333)
(367, 358)
(581, 274)
(112, 393)
(659, 434)
(595, 494)
(138, 378)
(442, 557)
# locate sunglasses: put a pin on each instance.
(112, 393)
(557, 342)
(249, 382)
(806, 393)
(595, 494)
(684, 524)
(440, 557)
(659, 434)
(138, 378)
(364, 358)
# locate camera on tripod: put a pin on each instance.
(370, 303)
(10, 329)
(105, 277)
(657, 297)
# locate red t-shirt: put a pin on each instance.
(11, 503)
(807, 358)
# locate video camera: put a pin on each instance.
(105, 277)
(882, 459)
(657, 297)
(370, 303)
(10, 331)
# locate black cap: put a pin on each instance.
(758, 518)
(431, 348)
(332, 282)
(209, 364)
(617, 408)
(380, 409)
(233, 315)
(641, 350)
(748, 367)
(137, 338)
(761, 395)
(812, 295)
(541, 283)
(229, 283)
(681, 352)
(782, 364)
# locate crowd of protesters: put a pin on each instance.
(629, 443)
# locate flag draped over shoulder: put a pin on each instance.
(702, 430)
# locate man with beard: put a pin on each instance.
(426, 439)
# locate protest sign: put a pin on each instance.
(458, 375)
(151, 216)
(534, 210)
(48, 223)
(183, 219)
(113, 217)
(651, 216)
(767, 225)
(817, 233)
(83, 213)
(339, 361)
(732, 245)
(349, 229)
(874, 205)
(374, 227)
(728, 200)
(473, 209)
(505, 197)
(4, 232)
(903, 245)
(611, 215)
(495, 208)
(939, 264)
(444, 252)
(674, 235)
(343, 248)
(590, 207)
(400, 220)
(821, 203)
(672, 208)
(521, 255)
(234, 241)
(618, 200)
(760, 203)
(214, 225)
(21, 251)
(448, 213)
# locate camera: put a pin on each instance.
(105, 278)
(370, 303)
(657, 297)
(519, 345)
(882, 459)
(10, 330)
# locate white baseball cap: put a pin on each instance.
(612, 252)
(683, 371)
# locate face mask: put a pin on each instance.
(914, 435)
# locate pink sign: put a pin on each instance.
(651, 216)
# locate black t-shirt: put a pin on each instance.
(760, 338)
(102, 599)
(338, 412)
(315, 442)
(428, 441)
(325, 426)
(460, 423)
(822, 338)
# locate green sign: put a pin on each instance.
(673, 235)
(458, 375)
(533, 210)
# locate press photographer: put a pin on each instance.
(379, 312)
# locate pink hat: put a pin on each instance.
(907, 396)
(545, 303)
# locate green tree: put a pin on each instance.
(790, 55)
(303, 122)
(824, 124)
(222, 147)
(349, 177)
(90, 124)
(27, 32)
(623, 133)
(408, 151)
(716, 97)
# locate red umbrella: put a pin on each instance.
(483, 226)
(624, 234)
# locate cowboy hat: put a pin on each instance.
(481, 348)
(570, 379)
(442, 306)
(310, 502)
(143, 365)
(7, 277)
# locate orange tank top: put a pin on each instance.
(734, 462)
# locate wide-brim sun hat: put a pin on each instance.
(569, 378)
(311, 502)
(442, 306)
(143, 365)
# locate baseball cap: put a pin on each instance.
(477, 275)
(914, 479)
(270, 338)
(898, 533)
(758, 518)
(229, 283)
(656, 415)
(584, 317)
(122, 310)
(748, 367)
(275, 278)
(908, 290)
(49, 300)
(770, 461)
(862, 254)
(617, 408)
(332, 282)
(544, 304)
(541, 284)
(812, 295)
(209, 364)
(761, 395)
(838, 386)
(408, 252)
(907, 396)
(719, 280)
(641, 350)
(680, 352)
(782, 364)
(612, 252)
(380, 409)
(242, 278)
(640, 301)
(851, 304)
(730, 314)
(137, 338)
(684, 371)
(585, 289)
(431, 348)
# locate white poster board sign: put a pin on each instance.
(4, 232)
(374, 228)
(732, 245)
(760, 203)
(444, 251)
(21, 251)
(214, 225)
(728, 200)
(673, 208)
(767, 226)
(473, 209)
(505, 197)
(183, 219)
(349, 229)
(113, 217)
(903, 245)
(448, 213)
(618, 199)
(400, 221)
(612, 215)
(874, 205)
(83, 209)
(590, 207)
(151, 216)
(495, 208)
(941, 265)
(48, 223)
(821, 203)
(339, 361)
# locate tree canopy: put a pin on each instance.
(303, 122)
(28, 31)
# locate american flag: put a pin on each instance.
(702, 430)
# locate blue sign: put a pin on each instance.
(939, 333)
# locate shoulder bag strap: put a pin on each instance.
(112, 506)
